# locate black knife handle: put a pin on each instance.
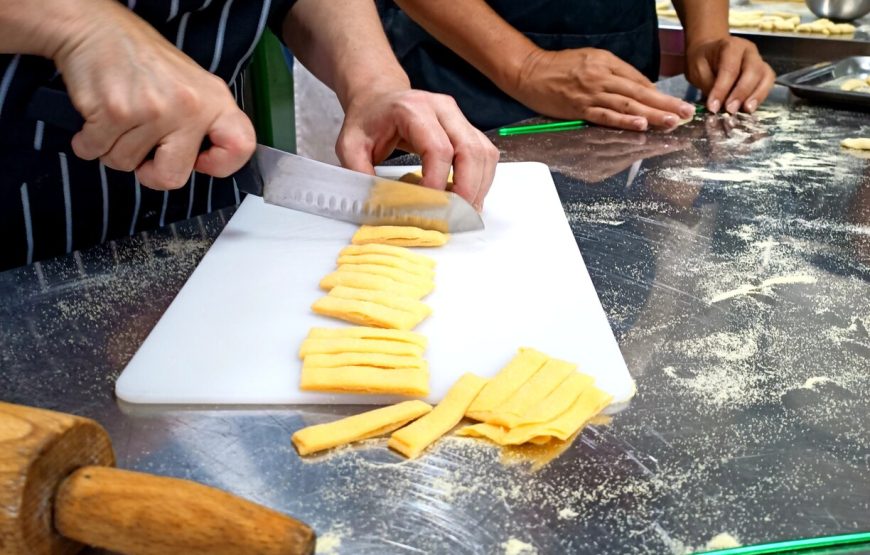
(54, 107)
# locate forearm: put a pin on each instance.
(44, 27)
(343, 43)
(703, 20)
(477, 34)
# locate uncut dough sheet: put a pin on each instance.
(233, 333)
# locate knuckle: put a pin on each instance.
(119, 162)
(188, 100)
(117, 110)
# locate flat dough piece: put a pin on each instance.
(558, 401)
(390, 300)
(412, 382)
(361, 426)
(416, 177)
(395, 274)
(852, 84)
(359, 280)
(540, 385)
(389, 250)
(591, 402)
(375, 360)
(389, 261)
(402, 236)
(414, 438)
(362, 332)
(326, 346)
(857, 144)
(366, 313)
(506, 382)
(391, 194)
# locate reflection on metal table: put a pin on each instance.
(732, 257)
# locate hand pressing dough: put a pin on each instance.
(553, 373)
(857, 144)
(402, 236)
(360, 280)
(375, 360)
(412, 382)
(355, 428)
(389, 261)
(326, 346)
(390, 300)
(414, 438)
(506, 382)
(360, 332)
(389, 250)
(588, 404)
(395, 274)
(366, 313)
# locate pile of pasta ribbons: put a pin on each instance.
(379, 285)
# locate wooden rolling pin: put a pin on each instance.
(59, 493)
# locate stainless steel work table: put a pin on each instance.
(732, 257)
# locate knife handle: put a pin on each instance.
(54, 107)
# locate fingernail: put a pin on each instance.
(687, 110)
(733, 106)
(641, 124)
(478, 206)
(714, 106)
(670, 121)
(751, 105)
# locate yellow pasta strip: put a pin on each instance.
(362, 332)
(495, 434)
(314, 346)
(389, 250)
(366, 313)
(358, 427)
(395, 274)
(390, 300)
(506, 382)
(413, 382)
(403, 236)
(590, 402)
(541, 384)
(414, 438)
(359, 280)
(387, 260)
(377, 360)
(392, 194)
(557, 402)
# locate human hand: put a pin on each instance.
(137, 92)
(429, 124)
(730, 72)
(597, 86)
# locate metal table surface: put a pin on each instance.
(732, 257)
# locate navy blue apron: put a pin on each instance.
(627, 28)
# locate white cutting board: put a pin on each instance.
(232, 333)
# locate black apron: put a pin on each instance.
(627, 28)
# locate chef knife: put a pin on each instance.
(298, 183)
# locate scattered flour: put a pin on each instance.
(516, 547)
(764, 286)
(722, 541)
(567, 513)
(811, 383)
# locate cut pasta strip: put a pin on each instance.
(358, 427)
(390, 300)
(590, 402)
(506, 382)
(413, 382)
(393, 195)
(361, 332)
(375, 360)
(539, 386)
(366, 313)
(414, 438)
(389, 250)
(558, 401)
(316, 346)
(359, 280)
(403, 236)
(390, 261)
(395, 274)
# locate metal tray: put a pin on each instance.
(821, 82)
